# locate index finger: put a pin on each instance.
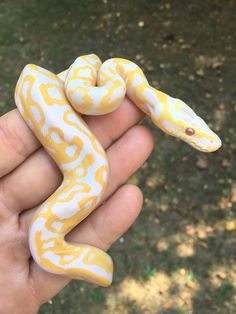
(17, 141)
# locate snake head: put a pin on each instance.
(179, 120)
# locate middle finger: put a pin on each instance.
(37, 178)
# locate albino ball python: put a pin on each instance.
(49, 104)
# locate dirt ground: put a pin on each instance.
(180, 255)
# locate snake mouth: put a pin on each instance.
(206, 145)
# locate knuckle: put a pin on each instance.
(4, 211)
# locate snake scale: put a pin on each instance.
(51, 106)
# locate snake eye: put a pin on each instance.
(189, 131)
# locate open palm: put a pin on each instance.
(28, 176)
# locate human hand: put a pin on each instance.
(28, 176)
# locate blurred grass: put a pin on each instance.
(180, 255)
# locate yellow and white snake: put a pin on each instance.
(50, 104)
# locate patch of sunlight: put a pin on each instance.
(143, 293)
(220, 117)
(185, 278)
(162, 291)
(185, 249)
(233, 192)
(225, 202)
(162, 245)
(199, 231)
(220, 274)
(153, 181)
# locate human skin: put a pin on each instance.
(28, 176)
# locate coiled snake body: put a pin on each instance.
(50, 104)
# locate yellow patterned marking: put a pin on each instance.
(49, 100)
